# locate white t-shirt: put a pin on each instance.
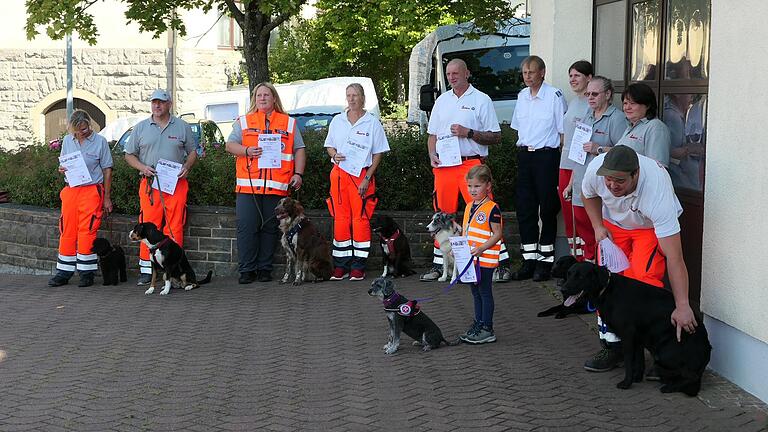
(367, 131)
(474, 110)
(653, 203)
(539, 120)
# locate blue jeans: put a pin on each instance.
(482, 293)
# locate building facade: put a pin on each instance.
(703, 58)
(112, 79)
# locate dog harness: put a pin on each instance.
(292, 233)
(160, 244)
(395, 303)
(389, 243)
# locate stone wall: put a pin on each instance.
(30, 238)
(120, 78)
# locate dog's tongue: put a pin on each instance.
(571, 300)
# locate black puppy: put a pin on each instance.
(578, 306)
(396, 251)
(405, 316)
(639, 314)
(166, 256)
(111, 261)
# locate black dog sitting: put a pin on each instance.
(639, 314)
(405, 316)
(579, 306)
(396, 251)
(111, 261)
(166, 256)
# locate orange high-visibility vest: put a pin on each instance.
(478, 231)
(272, 181)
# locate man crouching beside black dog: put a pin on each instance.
(630, 199)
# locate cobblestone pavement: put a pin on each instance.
(272, 357)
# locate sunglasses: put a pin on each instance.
(593, 94)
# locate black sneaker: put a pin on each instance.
(144, 279)
(605, 360)
(525, 271)
(86, 280)
(247, 277)
(543, 271)
(57, 281)
(264, 276)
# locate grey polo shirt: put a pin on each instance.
(578, 110)
(236, 136)
(95, 153)
(649, 138)
(150, 143)
(606, 132)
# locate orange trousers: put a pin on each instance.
(351, 218)
(170, 220)
(647, 262)
(81, 211)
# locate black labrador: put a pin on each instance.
(111, 261)
(639, 314)
(567, 307)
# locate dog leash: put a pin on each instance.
(452, 284)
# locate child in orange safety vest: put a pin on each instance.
(483, 228)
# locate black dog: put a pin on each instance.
(111, 261)
(578, 306)
(405, 316)
(168, 256)
(396, 251)
(639, 314)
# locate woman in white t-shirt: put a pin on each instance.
(355, 143)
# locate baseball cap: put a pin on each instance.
(160, 94)
(619, 162)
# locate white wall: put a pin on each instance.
(561, 33)
(735, 204)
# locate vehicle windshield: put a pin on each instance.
(494, 71)
(313, 121)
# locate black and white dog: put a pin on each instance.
(405, 316)
(111, 261)
(639, 314)
(442, 227)
(396, 252)
(166, 256)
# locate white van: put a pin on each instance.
(313, 103)
(493, 60)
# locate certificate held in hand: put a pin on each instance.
(76, 171)
(271, 146)
(581, 135)
(166, 176)
(448, 150)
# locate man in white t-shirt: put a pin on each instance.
(463, 122)
(630, 199)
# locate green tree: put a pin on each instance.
(257, 19)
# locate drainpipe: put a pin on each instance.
(171, 81)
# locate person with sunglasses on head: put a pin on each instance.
(630, 199)
(608, 125)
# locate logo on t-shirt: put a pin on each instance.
(467, 108)
(172, 137)
(361, 133)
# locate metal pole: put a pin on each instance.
(70, 99)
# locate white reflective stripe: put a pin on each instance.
(546, 259)
(245, 182)
(570, 241)
(531, 256)
(90, 257)
(491, 252)
(488, 260)
(145, 270)
(243, 123)
(579, 241)
(437, 260)
(503, 246)
(65, 267)
(479, 240)
(437, 252)
(361, 245)
(579, 252)
(503, 255)
(342, 244)
(530, 247)
(361, 254)
(145, 263)
(286, 156)
(66, 258)
(85, 267)
(291, 124)
(546, 248)
(342, 253)
(482, 232)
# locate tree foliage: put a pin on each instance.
(257, 18)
